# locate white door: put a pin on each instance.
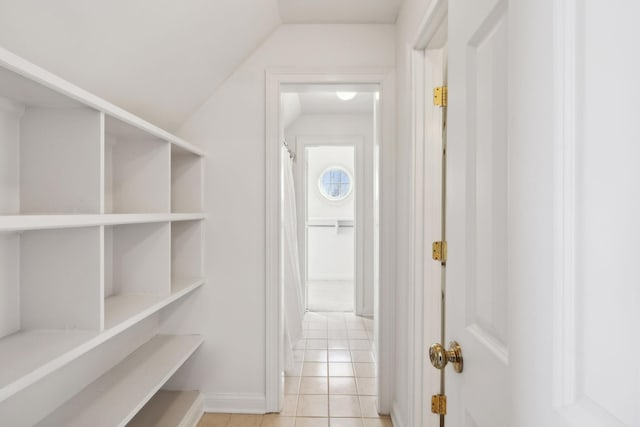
(477, 213)
(543, 213)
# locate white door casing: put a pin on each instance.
(427, 68)
(433, 220)
(384, 293)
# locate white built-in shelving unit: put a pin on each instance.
(101, 227)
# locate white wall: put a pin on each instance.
(230, 310)
(320, 159)
(410, 16)
(330, 251)
(341, 125)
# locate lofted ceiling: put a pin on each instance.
(160, 59)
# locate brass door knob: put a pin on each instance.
(439, 356)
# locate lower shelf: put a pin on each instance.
(27, 356)
(171, 409)
(124, 310)
(117, 396)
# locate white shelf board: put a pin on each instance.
(39, 222)
(122, 311)
(116, 397)
(171, 409)
(31, 71)
(28, 356)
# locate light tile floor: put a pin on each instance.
(332, 383)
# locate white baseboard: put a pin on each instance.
(235, 403)
(396, 418)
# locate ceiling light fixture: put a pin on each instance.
(346, 96)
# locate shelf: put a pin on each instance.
(116, 397)
(100, 228)
(28, 356)
(121, 311)
(29, 84)
(41, 222)
(171, 409)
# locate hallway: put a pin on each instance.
(332, 383)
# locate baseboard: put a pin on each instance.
(235, 403)
(396, 418)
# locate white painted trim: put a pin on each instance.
(565, 55)
(235, 403)
(432, 20)
(415, 333)
(386, 312)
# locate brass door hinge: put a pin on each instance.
(440, 96)
(439, 250)
(439, 404)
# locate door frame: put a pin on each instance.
(359, 267)
(384, 324)
(421, 117)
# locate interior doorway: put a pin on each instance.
(279, 236)
(331, 131)
(329, 194)
(328, 170)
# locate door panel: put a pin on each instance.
(601, 209)
(488, 173)
(543, 213)
(477, 225)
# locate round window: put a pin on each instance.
(335, 183)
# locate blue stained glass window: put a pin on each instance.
(335, 183)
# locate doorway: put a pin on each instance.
(331, 134)
(329, 193)
(279, 87)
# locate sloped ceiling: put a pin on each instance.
(160, 59)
